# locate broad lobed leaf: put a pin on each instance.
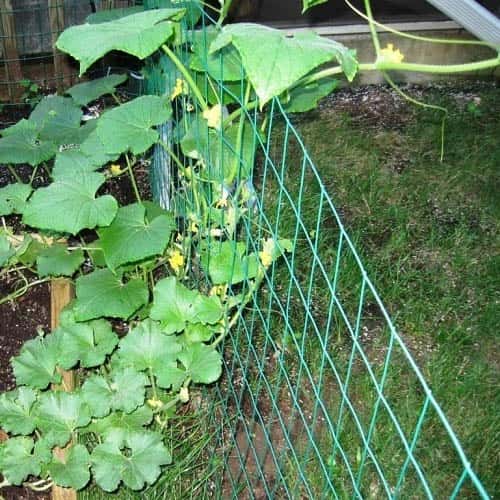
(275, 61)
(138, 34)
(131, 238)
(69, 205)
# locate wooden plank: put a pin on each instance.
(61, 294)
(62, 67)
(9, 48)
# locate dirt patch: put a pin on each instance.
(19, 322)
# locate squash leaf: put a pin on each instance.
(137, 34)
(13, 198)
(83, 93)
(175, 305)
(56, 260)
(128, 127)
(140, 466)
(74, 471)
(102, 293)
(274, 61)
(60, 413)
(16, 411)
(69, 205)
(130, 238)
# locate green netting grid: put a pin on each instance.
(252, 356)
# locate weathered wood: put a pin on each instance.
(61, 294)
(62, 67)
(9, 48)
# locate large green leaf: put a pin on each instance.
(74, 471)
(58, 119)
(119, 426)
(140, 466)
(69, 205)
(124, 391)
(227, 263)
(138, 34)
(94, 149)
(56, 260)
(131, 238)
(128, 127)
(225, 65)
(58, 414)
(202, 363)
(23, 145)
(13, 198)
(302, 99)
(83, 93)
(175, 305)
(18, 459)
(73, 162)
(275, 61)
(36, 364)
(146, 347)
(102, 293)
(15, 411)
(87, 343)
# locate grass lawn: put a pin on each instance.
(428, 233)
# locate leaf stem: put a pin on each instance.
(14, 173)
(153, 383)
(132, 179)
(172, 155)
(170, 404)
(373, 29)
(241, 307)
(419, 38)
(23, 290)
(239, 137)
(180, 66)
(423, 105)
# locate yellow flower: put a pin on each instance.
(268, 250)
(180, 88)
(391, 55)
(222, 203)
(220, 290)
(155, 403)
(266, 259)
(213, 116)
(193, 227)
(115, 169)
(176, 260)
(189, 107)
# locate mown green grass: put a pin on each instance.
(428, 233)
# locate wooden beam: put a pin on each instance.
(62, 67)
(61, 293)
(9, 47)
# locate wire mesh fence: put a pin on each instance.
(320, 397)
(29, 64)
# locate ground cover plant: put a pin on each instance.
(180, 279)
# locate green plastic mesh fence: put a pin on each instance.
(320, 396)
(29, 64)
